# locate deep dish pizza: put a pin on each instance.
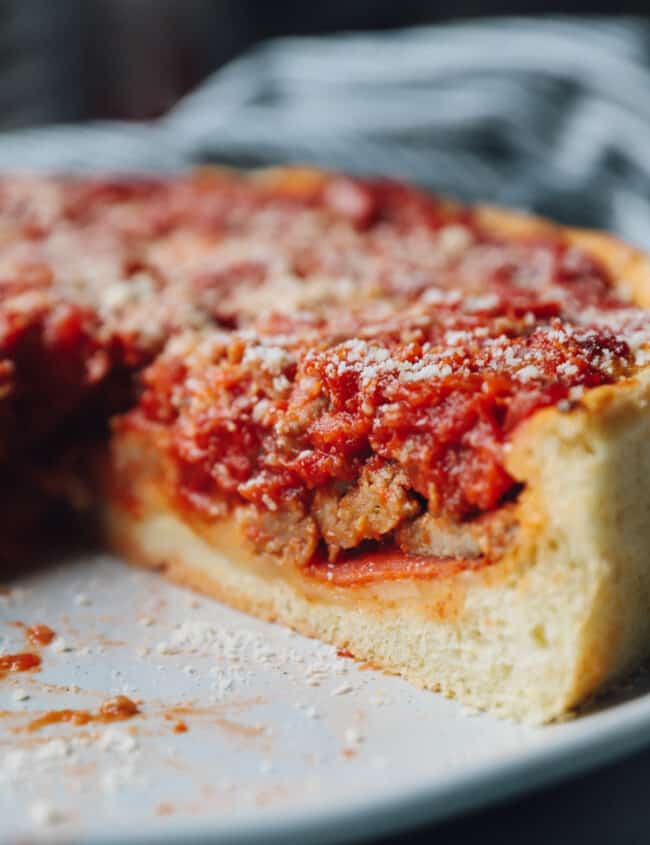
(416, 430)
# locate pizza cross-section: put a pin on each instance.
(418, 431)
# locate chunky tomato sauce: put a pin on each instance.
(309, 325)
(436, 381)
(96, 274)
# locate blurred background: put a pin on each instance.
(89, 59)
(482, 99)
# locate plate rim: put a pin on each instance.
(613, 734)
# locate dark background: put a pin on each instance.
(69, 60)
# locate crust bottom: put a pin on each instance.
(437, 634)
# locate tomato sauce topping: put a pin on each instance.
(331, 321)
(95, 274)
(268, 418)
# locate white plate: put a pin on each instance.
(286, 741)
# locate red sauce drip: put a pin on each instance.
(116, 709)
(19, 662)
(56, 717)
(39, 634)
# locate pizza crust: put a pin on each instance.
(564, 611)
(529, 637)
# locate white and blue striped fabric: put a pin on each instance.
(548, 114)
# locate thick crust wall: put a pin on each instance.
(564, 611)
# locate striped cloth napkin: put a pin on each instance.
(549, 114)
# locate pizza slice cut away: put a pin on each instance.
(418, 431)
(453, 488)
